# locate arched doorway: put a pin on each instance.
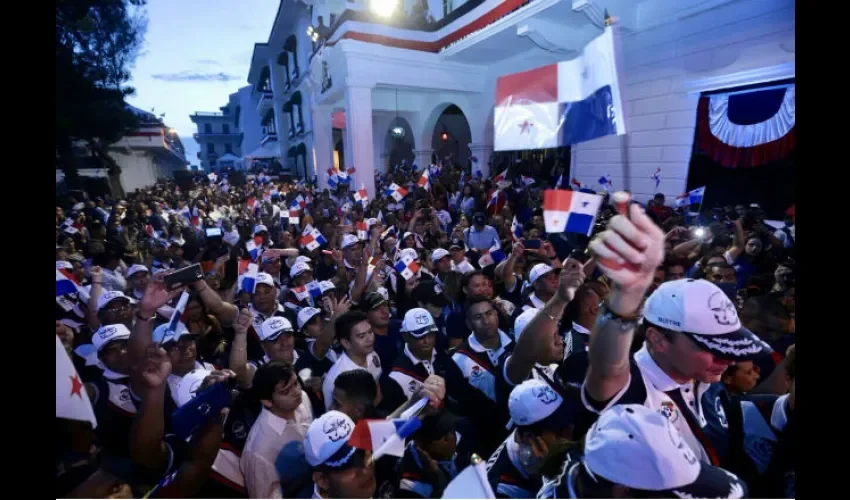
(399, 143)
(451, 136)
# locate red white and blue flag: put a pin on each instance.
(657, 177)
(563, 103)
(65, 283)
(407, 267)
(425, 180)
(570, 211)
(492, 256)
(516, 230)
(396, 192)
(605, 182)
(693, 197)
(254, 247)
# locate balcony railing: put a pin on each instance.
(462, 23)
(268, 137)
(265, 102)
(216, 135)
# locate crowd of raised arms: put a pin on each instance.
(250, 336)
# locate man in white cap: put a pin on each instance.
(277, 337)
(420, 360)
(449, 279)
(692, 334)
(182, 351)
(544, 281)
(542, 427)
(635, 452)
(113, 308)
(339, 469)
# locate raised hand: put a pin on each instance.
(628, 252)
(243, 321)
(96, 273)
(155, 368)
(572, 276)
(156, 295)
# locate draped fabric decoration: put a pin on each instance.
(747, 129)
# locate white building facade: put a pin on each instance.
(426, 80)
(218, 134)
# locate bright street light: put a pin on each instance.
(384, 8)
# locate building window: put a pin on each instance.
(225, 128)
(210, 148)
(333, 19)
(447, 7)
(228, 148)
(208, 128)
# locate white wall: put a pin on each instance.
(741, 36)
(138, 170)
(249, 121)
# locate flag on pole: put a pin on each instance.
(249, 277)
(361, 195)
(65, 283)
(254, 247)
(396, 192)
(516, 230)
(605, 182)
(563, 103)
(693, 197)
(383, 437)
(528, 181)
(570, 211)
(501, 179)
(72, 400)
(657, 177)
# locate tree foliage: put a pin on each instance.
(97, 42)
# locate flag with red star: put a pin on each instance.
(72, 400)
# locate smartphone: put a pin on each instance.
(213, 232)
(183, 277)
(205, 406)
(531, 243)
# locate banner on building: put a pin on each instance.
(563, 103)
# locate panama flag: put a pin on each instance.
(396, 192)
(362, 230)
(407, 267)
(254, 247)
(516, 230)
(425, 180)
(570, 211)
(361, 195)
(563, 103)
(72, 399)
(385, 435)
(605, 182)
(657, 177)
(492, 256)
(693, 197)
(65, 283)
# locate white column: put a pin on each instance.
(281, 123)
(423, 158)
(322, 143)
(482, 152)
(358, 136)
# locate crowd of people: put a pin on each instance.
(652, 358)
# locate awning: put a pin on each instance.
(268, 150)
(228, 158)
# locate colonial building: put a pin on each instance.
(369, 84)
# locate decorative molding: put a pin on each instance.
(676, 15)
(740, 79)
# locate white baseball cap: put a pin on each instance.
(291, 261)
(273, 328)
(522, 320)
(327, 438)
(136, 268)
(326, 285)
(64, 264)
(306, 314)
(188, 387)
(438, 254)
(299, 268)
(109, 333)
(418, 322)
(409, 253)
(264, 279)
(163, 335)
(638, 447)
(260, 228)
(349, 240)
(535, 402)
(538, 271)
(107, 297)
(703, 312)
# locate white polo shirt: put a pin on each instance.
(346, 364)
(648, 385)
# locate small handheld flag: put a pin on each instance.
(72, 399)
(657, 177)
(570, 211)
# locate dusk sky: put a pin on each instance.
(196, 53)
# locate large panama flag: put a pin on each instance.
(563, 103)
